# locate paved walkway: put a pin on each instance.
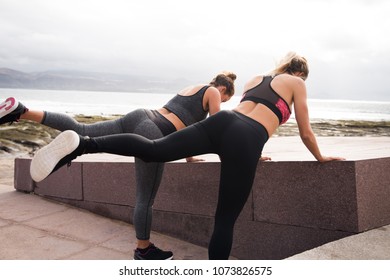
(371, 245)
(32, 227)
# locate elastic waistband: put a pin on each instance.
(161, 122)
(259, 128)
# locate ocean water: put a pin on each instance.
(109, 103)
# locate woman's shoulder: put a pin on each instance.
(288, 77)
(289, 80)
(254, 81)
(211, 92)
(191, 90)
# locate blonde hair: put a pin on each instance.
(225, 79)
(291, 64)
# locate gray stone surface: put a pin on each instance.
(373, 193)
(307, 194)
(64, 183)
(272, 238)
(22, 178)
(109, 182)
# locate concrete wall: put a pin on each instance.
(293, 207)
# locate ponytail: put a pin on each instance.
(290, 64)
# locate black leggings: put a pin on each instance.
(237, 139)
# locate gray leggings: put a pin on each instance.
(148, 175)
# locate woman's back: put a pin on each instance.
(285, 87)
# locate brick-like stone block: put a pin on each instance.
(192, 188)
(266, 241)
(308, 194)
(22, 178)
(189, 188)
(119, 212)
(112, 182)
(191, 228)
(373, 193)
(66, 182)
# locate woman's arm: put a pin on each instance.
(213, 100)
(213, 104)
(302, 117)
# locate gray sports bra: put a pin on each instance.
(189, 109)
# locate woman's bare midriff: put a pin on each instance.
(260, 113)
(172, 118)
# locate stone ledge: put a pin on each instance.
(294, 206)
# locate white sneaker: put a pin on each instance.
(46, 159)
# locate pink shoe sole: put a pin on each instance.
(9, 105)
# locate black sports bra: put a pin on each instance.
(263, 93)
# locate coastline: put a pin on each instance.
(339, 128)
(25, 137)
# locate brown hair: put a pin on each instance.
(225, 79)
(291, 64)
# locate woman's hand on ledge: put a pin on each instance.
(194, 159)
(327, 159)
(265, 158)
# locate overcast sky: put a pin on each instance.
(347, 42)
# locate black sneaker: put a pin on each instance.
(152, 253)
(11, 110)
(67, 146)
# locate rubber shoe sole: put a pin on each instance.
(8, 106)
(140, 259)
(47, 158)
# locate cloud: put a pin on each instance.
(199, 38)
